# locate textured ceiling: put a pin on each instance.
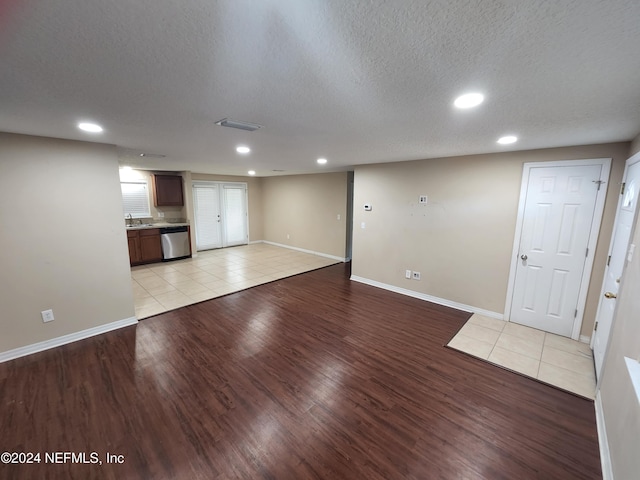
(357, 81)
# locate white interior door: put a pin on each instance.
(557, 220)
(206, 206)
(618, 252)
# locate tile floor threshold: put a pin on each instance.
(161, 287)
(551, 359)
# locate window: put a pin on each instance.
(135, 199)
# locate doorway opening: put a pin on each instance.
(619, 253)
(559, 215)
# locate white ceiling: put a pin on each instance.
(355, 81)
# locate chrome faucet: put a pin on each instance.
(129, 219)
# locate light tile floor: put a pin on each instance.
(550, 358)
(161, 287)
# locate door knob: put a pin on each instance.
(610, 295)
(523, 257)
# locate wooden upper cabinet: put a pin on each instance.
(167, 190)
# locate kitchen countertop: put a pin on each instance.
(145, 226)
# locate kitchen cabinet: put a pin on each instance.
(144, 246)
(167, 190)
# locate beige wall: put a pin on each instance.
(63, 247)
(461, 242)
(302, 211)
(254, 194)
(619, 402)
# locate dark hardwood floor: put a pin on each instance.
(308, 377)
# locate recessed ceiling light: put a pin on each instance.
(251, 172)
(507, 140)
(242, 149)
(90, 127)
(322, 161)
(469, 100)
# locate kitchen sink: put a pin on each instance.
(138, 225)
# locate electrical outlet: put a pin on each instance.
(47, 315)
(363, 225)
(407, 274)
(160, 214)
(416, 275)
(288, 236)
(423, 199)
(338, 217)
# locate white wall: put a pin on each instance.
(63, 245)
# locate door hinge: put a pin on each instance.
(595, 328)
(587, 254)
(622, 188)
(575, 314)
(608, 260)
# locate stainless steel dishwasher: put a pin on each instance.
(175, 243)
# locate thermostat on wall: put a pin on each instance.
(367, 207)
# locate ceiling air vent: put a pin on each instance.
(227, 122)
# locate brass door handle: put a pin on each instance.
(610, 295)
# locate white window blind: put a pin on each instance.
(135, 199)
(235, 215)
(207, 216)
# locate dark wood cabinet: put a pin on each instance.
(144, 246)
(134, 246)
(167, 190)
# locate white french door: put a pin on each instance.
(220, 214)
(618, 254)
(234, 218)
(559, 216)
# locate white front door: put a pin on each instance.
(206, 209)
(617, 255)
(220, 213)
(235, 215)
(557, 221)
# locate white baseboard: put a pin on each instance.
(303, 250)
(429, 298)
(585, 339)
(63, 340)
(605, 456)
